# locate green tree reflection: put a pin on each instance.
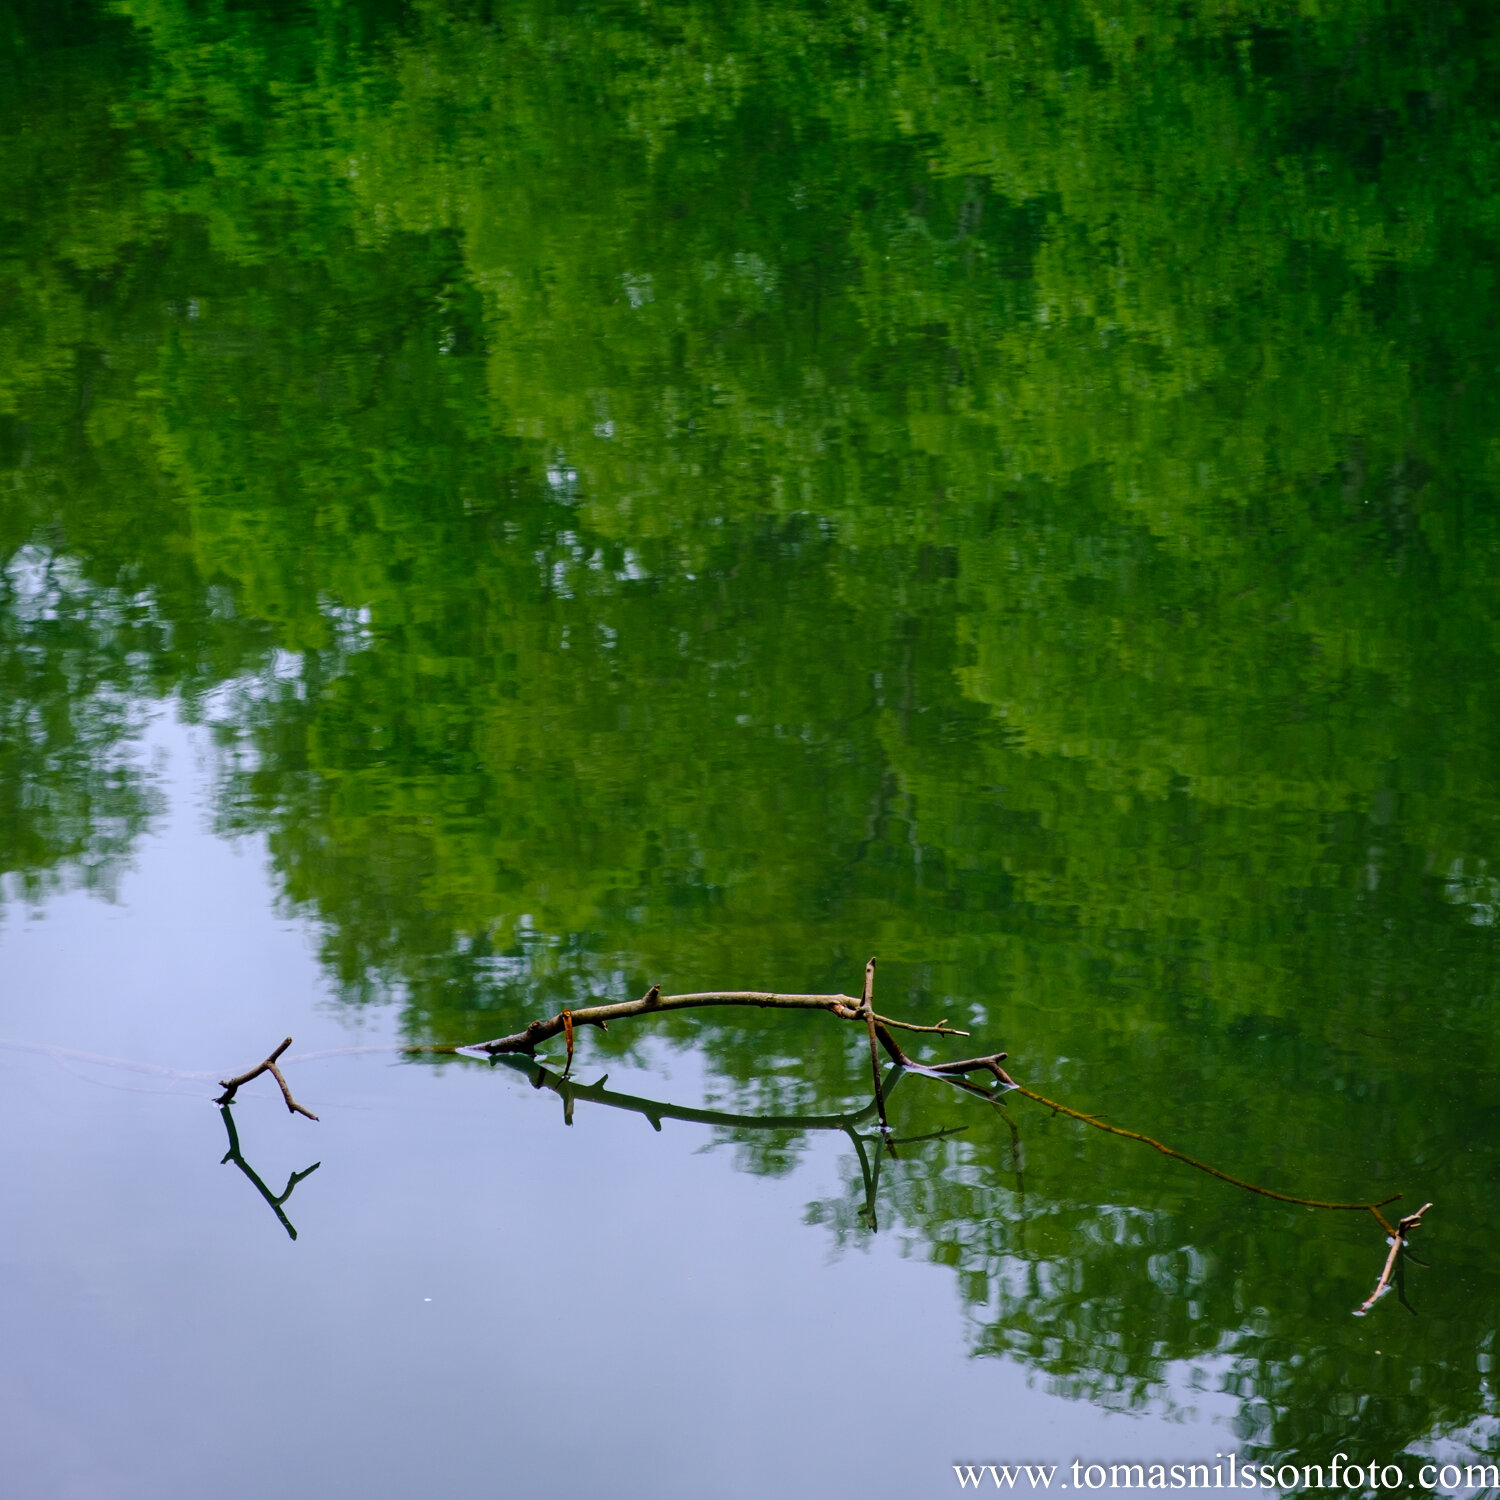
(705, 493)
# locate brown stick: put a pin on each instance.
(1398, 1243)
(1202, 1166)
(878, 1030)
(941, 1029)
(988, 1064)
(231, 1085)
(846, 1007)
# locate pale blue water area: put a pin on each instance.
(480, 1301)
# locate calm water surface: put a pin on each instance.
(504, 504)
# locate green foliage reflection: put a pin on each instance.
(704, 493)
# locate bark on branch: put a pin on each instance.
(231, 1085)
(1398, 1243)
(653, 1002)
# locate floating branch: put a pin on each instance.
(653, 1002)
(867, 1012)
(1398, 1243)
(1203, 1166)
(879, 1033)
(231, 1085)
(878, 1029)
(233, 1154)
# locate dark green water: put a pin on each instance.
(701, 494)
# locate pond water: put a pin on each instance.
(505, 505)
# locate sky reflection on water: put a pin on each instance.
(611, 1310)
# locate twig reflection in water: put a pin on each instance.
(234, 1155)
(879, 1031)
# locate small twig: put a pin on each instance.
(1202, 1166)
(1398, 1243)
(941, 1029)
(231, 1085)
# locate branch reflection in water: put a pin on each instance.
(518, 1054)
(870, 1148)
(236, 1156)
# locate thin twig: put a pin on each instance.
(1202, 1166)
(1398, 1243)
(231, 1085)
(941, 1029)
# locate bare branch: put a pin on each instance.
(845, 1007)
(878, 1031)
(231, 1085)
(1202, 1166)
(941, 1029)
(1398, 1243)
(988, 1064)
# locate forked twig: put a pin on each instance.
(231, 1085)
(878, 1029)
(1398, 1243)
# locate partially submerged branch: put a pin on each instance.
(1203, 1166)
(878, 1032)
(867, 1012)
(232, 1085)
(1399, 1235)
(653, 1002)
